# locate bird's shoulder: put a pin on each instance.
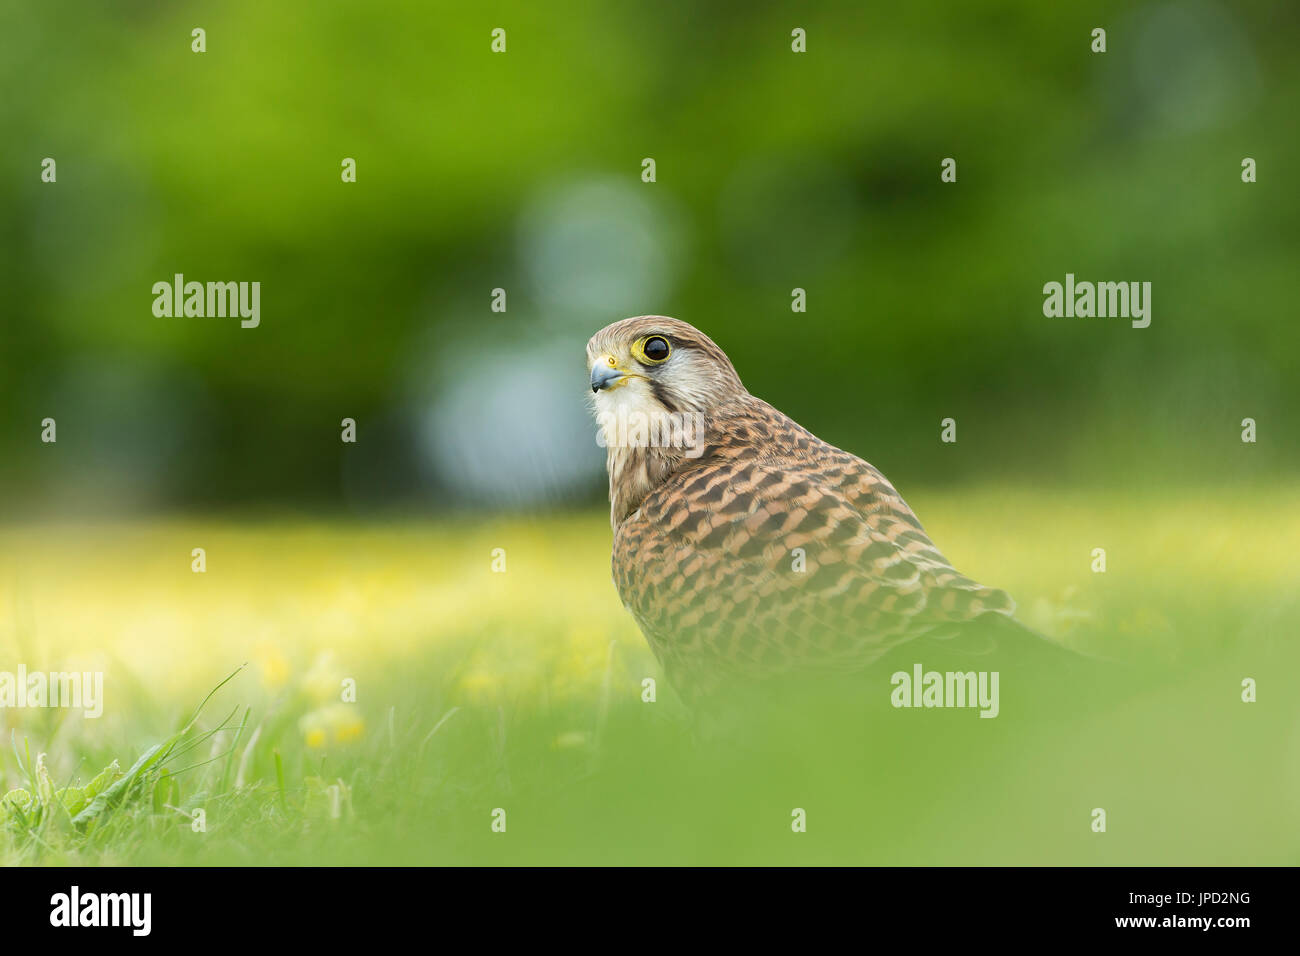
(758, 460)
(775, 528)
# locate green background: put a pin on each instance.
(522, 171)
(371, 561)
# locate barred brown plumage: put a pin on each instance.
(763, 549)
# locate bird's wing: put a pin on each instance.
(756, 565)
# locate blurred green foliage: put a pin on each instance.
(775, 170)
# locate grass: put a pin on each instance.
(521, 691)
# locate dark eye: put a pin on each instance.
(656, 348)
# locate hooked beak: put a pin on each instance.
(606, 374)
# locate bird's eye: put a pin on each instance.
(654, 350)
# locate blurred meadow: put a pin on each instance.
(371, 562)
(523, 691)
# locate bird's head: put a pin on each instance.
(658, 385)
(654, 364)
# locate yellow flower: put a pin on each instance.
(332, 724)
(480, 686)
(345, 722)
(274, 665)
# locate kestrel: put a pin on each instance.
(752, 547)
